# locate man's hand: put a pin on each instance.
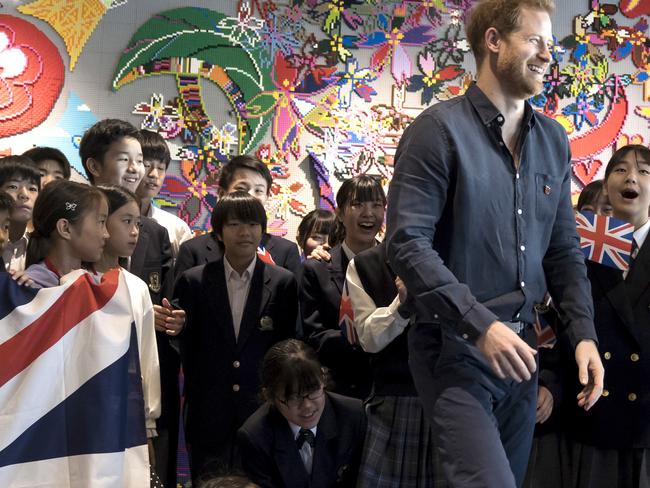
(508, 355)
(590, 373)
(544, 404)
(167, 319)
(320, 253)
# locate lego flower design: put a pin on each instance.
(31, 76)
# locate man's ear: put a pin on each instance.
(94, 167)
(492, 40)
(63, 229)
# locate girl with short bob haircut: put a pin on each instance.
(303, 435)
(314, 230)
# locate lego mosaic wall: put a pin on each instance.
(320, 90)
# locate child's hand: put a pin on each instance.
(22, 278)
(169, 320)
(320, 253)
(544, 404)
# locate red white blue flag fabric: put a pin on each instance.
(346, 317)
(71, 398)
(605, 240)
(264, 255)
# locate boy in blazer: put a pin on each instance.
(237, 308)
(303, 436)
(242, 173)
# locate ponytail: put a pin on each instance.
(59, 200)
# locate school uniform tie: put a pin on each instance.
(305, 445)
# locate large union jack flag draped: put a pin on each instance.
(605, 240)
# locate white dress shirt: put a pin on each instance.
(15, 254)
(178, 230)
(306, 451)
(376, 326)
(238, 288)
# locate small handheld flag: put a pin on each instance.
(346, 317)
(605, 240)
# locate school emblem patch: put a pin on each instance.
(266, 323)
(154, 281)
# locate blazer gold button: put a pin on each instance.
(236, 364)
(607, 355)
(605, 393)
(634, 357)
(632, 397)
(235, 387)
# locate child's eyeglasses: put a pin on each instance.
(295, 401)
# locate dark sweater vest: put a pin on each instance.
(390, 370)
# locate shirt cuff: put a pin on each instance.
(399, 312)
(475, 322)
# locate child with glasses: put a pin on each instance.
(303, 436)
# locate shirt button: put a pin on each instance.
(632, 397)
(500, 119)
(465, 336)
(607, 355)
(236, 364)
(520, 211)
(435, 315)
(517, 176)
(605, 393)
(523, 248)
(501, 143)
(523, 283)
(235, 387)
(517, 316)
(634, 357)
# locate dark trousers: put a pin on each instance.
(483, 426)
(166, 443)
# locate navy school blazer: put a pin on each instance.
(269, 455)
(321, 287)
(221, 372)
(622, 317)
(205, 248)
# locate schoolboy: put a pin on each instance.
(51, 163)
(237, 308)
(156, 159)
(111, 154)
(20, 179)
(249, 174)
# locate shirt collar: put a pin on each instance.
(248, 272)
(489, 113)
(295, 429)
(641, 233)
(349, 253)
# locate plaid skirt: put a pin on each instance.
(398, 449)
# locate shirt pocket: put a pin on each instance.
(547, 195)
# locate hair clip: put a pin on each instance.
(70, 206)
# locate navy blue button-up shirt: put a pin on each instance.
(476, 239)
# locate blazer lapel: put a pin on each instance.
(323, 472)
(258, 296)
(611, 281)
(337, 267)
(287, 458)
(140, 251)
(212, 248)
(639, 278)
(216, 293)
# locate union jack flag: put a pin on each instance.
(346, 317)
(605, 240)
(72, 411)
(264, 255)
